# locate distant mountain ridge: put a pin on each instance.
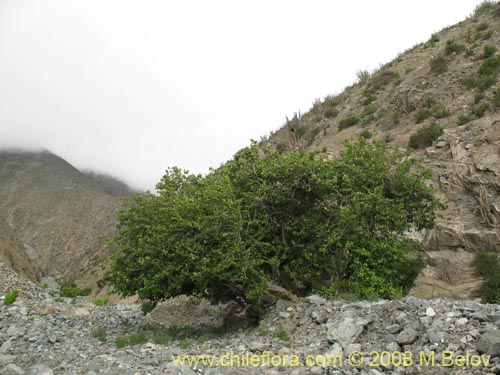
(58, 216)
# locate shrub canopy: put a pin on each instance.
(267, 223)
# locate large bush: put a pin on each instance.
(265, 225)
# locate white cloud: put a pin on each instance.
(132, 87)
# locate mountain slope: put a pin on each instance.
(59, 215)
(452, 81)
(110, 185)
(14, 255)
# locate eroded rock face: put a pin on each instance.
(183, 311)
(466, 165)
(449, 274)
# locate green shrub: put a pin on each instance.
(496, 12)
(423, 115)
(100, 334)
(425, 136)
(101, 302)
(488, 74)
(396, 119)
(184, 343)
(495, 101)
(488, 51)
(121, 341)
(348, 122)
(383, 78)
(282, 335)
(10, 297)
(72, 291)
(434, 38)
(487, 266)
(481, 83)
(429, 102)
(266, 219)
(463, 119)
(332, 101)
(363, 75)
(439, 65)
(483, 35)
(470, 52)
(453, 47)
(366, 134)
(369, 97)
(482, 26)
(490, 66)
(300, 131)
(138, 338)
(369, 109)
(440, 112)
(331, 113)
(480, 109)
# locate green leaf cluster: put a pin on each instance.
(267, 222)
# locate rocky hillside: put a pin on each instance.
(14, 255)
(54, 219)
(449, 82)
(41, 334)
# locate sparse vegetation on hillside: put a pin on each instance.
(439, 65)
(348, 122)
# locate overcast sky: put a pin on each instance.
(132, 87)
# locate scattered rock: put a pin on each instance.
(11, 370)
(488, 341)
(39, 370)
(407, 336)
(344, 330)
(81, 340)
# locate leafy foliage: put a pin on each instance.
(266, 220)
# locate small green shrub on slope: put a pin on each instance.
(425, 136)
(10, 297)
(487, 266)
